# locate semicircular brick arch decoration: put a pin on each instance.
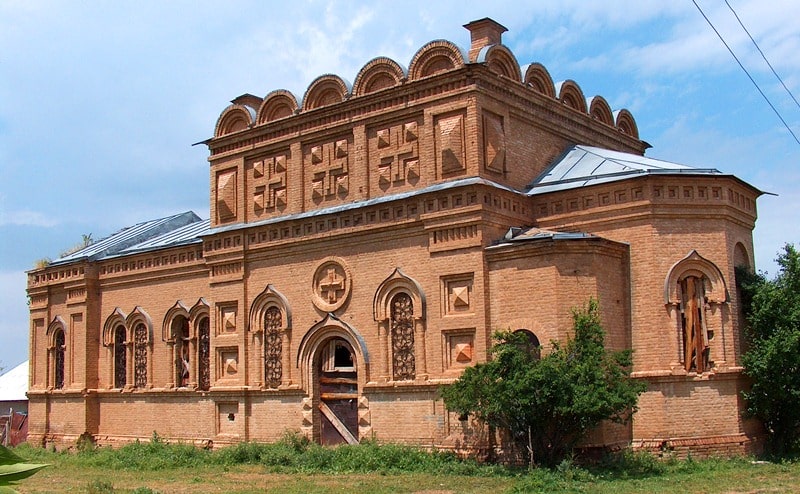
(379, 73)
(538, 78)
(117, 318)
(276, 105)
(600, 110)
(696, 297)
(434, 57)
(325, 90)
(234, 118)
(57, 324)
(500, 60)
(330, 327)
(570, 94)
(199, 310)
(179, 309)
(716, 290)
(139, 316)
(625, 123)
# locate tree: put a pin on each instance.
(548, 404)
(772, 310)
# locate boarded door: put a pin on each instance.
(338, 387)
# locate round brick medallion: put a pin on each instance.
(330, 287)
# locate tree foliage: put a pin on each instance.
(772, 309)
(548, 404)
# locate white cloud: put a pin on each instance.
(26, 218)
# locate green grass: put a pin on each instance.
(295, 465)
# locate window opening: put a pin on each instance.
(342, 358)
(696, 335)
(402, 313)
(272, 347)
(120, 358)
(531, 344)
(183, 360)
(204, 354)
(140, 355)
(60, 348)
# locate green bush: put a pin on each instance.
(548, 403)
(772, 362)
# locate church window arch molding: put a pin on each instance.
(696, 295)
(187, 335)
(270, 321)
(182, 346)
(399, 309)
(115, 339)
(140, 335)
(56, 349)
(200, 326)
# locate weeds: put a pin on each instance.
(99, 487)
(296, 454)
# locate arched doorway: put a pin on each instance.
(336, 380)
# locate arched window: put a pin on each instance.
(140, 355)
(399, 310)
(273, 371)
(120, 358)
(183, 359)
(402, 331)
(203, 354)
(270, 322)
(531, 343)
(695, 292)
(59, 351)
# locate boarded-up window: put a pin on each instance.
(693, 321)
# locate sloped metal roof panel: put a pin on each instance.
(341, 208)
(127, 237)
(531, 234)
(581, 165)
(185, 235)
(14, 384)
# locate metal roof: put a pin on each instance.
(340, 208)
(185, 235)
(530, 234)
(14, 384)
(131, 237)
(581, 165)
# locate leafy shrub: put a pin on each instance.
(547, 404)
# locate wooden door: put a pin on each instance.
(338, 388)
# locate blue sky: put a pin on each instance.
(101, 101)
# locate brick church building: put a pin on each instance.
(364, 243)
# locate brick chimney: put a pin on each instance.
(483, 32)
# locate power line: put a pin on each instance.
(762, 54)
(746, 72)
